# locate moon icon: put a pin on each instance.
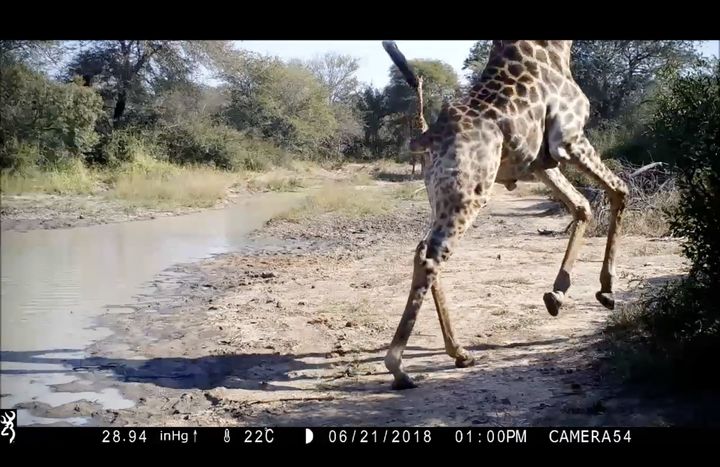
(308, 436)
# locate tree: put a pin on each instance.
(371, 105)
(126, 70)
(477, 59)
(283, 102)
(44, 123)
(616, 75)
(36, 55)
(336, 72)
(440, 84)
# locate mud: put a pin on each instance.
(296, 335)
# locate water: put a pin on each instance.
(55, 283)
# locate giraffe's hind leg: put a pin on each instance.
(580, 152)
(579, 206)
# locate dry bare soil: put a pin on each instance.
(296, 335)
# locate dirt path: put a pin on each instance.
(297, 336)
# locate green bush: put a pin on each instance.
(204, 143)
(681, 322)
(44, 122)
(129, 145)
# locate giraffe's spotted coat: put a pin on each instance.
(523, 117)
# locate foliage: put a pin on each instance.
(681, 322)
(687, 123)
(200, 142)
(283, 103)
(618, 75)
(126, 72)
(44, 122)
(477, 59)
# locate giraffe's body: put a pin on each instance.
(522, 118)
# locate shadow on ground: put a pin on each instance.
(552, 382)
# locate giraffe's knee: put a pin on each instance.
(583, 212)
(438, 248)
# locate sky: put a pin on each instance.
(373, 60)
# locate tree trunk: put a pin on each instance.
(121, 102)
(120, 106)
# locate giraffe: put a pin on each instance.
(523, 117)
(419, 124)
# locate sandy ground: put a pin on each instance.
(297, 335)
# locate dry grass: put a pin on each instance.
(340, 198)
(650, 222)
(277, 182)
(411, 191)
(145, 182)
(651, 194)
(73, 180)
(361, 178)
(179, 186)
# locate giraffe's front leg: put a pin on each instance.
(462, 358)
(420, 284)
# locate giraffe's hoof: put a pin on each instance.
(464, 361)
(606, 299)
(553, 302)
(404, 382)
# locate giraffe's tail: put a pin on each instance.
(401, 62)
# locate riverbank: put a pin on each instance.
(296, 334)
(51, 201)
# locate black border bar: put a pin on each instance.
(360, 437)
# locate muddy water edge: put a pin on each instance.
(57, 285)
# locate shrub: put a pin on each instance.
(204, 143)
(44, 122)
(680, 323)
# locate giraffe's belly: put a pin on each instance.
(516, 168)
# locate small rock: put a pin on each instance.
(312, 286)
(213, 307)
(301, 303)
(349, 324)
(81, 216)
(267, 275)
(505, 401)
(575, 386)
